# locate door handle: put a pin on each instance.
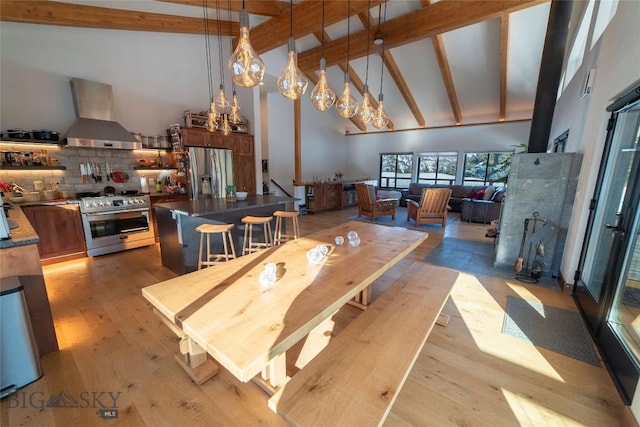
(611, 227)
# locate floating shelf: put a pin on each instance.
(151, 168)
(30, 168)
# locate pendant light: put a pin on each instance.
(366, 110)
(221, 100)
(381, 118)
(212, 113)
(246, 67)
(292, 83)
(346, 104)
(322, 96)
(234, 107)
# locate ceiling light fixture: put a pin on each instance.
(381, 118)
(246, 67)
(292, 83)
(366, 110)
(213, 112)
(378, 36)
(346, 104)
(322, 96)
(234, 107)
(221, 100)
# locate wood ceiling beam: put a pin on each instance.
(73, 15)
(255, 7)
(391, 65)
(307, 18)
(445, 71)
(437, 18)
(504, 52)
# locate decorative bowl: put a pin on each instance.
(31, 196)
(241, 195)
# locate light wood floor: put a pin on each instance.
(468, 374)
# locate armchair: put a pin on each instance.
(369, 206)
(432, 208)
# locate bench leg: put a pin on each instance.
(193, 359)
(276, 371)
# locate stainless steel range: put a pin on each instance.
(116, 223)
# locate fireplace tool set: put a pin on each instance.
(538, 232)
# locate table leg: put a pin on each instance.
(276, 371)
(195, 362)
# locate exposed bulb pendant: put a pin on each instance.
(322, 96)
(212, 116)
(234, 110)
(346, 104)
(292, 83)
(221, 100)
(381, 118)
(226, 127)
(366, 110)
(245, 66)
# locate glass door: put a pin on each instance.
(608, 248)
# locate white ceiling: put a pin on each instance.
(473, 54)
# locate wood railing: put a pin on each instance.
(281, 189)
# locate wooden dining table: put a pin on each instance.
(225, 312)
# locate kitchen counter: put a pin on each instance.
(24, 234)
(177, 221)
(207, 206)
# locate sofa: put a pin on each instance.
(475, 203)
(458, 192)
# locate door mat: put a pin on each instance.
(555, 329)
(476, 258)
(401, 220)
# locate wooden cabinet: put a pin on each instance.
(193, 137)
(59, 228)
(323, 196)
(163, 198)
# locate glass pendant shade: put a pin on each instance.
(212, 116)
(226, 127)
(246, 67)
(346, 104)
(366, 112)
(292, 83)
(234, 113)
(221, 100)
(322, 97)
(381, 118)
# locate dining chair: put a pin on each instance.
(369, 206)
(433, 207)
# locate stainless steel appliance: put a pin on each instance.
(211, 171)
(96, 127)
(116, 223)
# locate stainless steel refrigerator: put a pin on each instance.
(211, 171)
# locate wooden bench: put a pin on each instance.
(355, 380)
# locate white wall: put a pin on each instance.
(364, 150)
(616, 57)
(155, 76)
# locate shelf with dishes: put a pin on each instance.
(25, 168)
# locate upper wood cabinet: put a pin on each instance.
(192, 137)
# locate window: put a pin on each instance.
(482, 168)
(437, 168)
(395, 170)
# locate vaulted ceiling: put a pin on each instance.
(442, 63)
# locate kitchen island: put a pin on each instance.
(19, 257)
(177, 222)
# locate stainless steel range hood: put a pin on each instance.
(95, 127)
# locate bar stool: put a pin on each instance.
(249, 246)
(215, 258)
(281, 216)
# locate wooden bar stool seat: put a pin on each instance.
(281, 216)
(215, 258)
(249, 246)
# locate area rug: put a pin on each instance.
(476, 258)
(401, 220)
(555, 329)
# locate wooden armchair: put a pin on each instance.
(369, 206)
(432, 208)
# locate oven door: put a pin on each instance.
(116, 231)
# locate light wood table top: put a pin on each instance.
(227, 312)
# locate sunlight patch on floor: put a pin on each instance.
(530, 413)
(316, 341)
(469, 297)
